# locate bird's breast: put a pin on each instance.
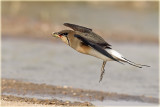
(83, 49)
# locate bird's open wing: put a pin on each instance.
(95, 46)
(78, 28)
(96, 39)
(88, 34)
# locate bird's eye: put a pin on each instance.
(65, 34)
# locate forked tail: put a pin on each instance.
(119, 57)
(132, 63)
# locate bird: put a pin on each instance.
(85, 41)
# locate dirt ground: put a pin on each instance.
(16, 103)
(24, 88)
(10, 100)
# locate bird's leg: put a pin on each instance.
(102, 70)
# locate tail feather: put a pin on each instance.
(118, 56)
(133, 64)
(130, 62)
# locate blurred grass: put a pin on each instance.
(41, 18)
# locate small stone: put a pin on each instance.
(34, 99)
(101, 98)
(74, 94)
(58, 86)
(67, 102)
(64, 92)
(5, 98)
(52, 102)
(87, 94)
(65, 86)
(14, 81)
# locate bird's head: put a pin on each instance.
(63, 35)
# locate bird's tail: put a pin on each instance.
(119, 57)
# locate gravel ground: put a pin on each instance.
(13, 90)
(44, 102)
(17, 103)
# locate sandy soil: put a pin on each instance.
(16, 103)
(12, 100)
(25, 88)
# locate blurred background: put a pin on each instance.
(29, 53)
(121, 21)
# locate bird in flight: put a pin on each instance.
(85, 41)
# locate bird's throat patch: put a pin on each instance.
(60, 36)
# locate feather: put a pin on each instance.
(96, 47)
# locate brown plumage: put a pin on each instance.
(89, 35)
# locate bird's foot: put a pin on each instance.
(102, 71)
(101, 77)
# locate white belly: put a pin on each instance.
(99, 55)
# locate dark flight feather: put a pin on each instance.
(96, 47)
(78, 28)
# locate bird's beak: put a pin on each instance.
(55, 34)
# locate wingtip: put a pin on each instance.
(65, 24)
(146, 65)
